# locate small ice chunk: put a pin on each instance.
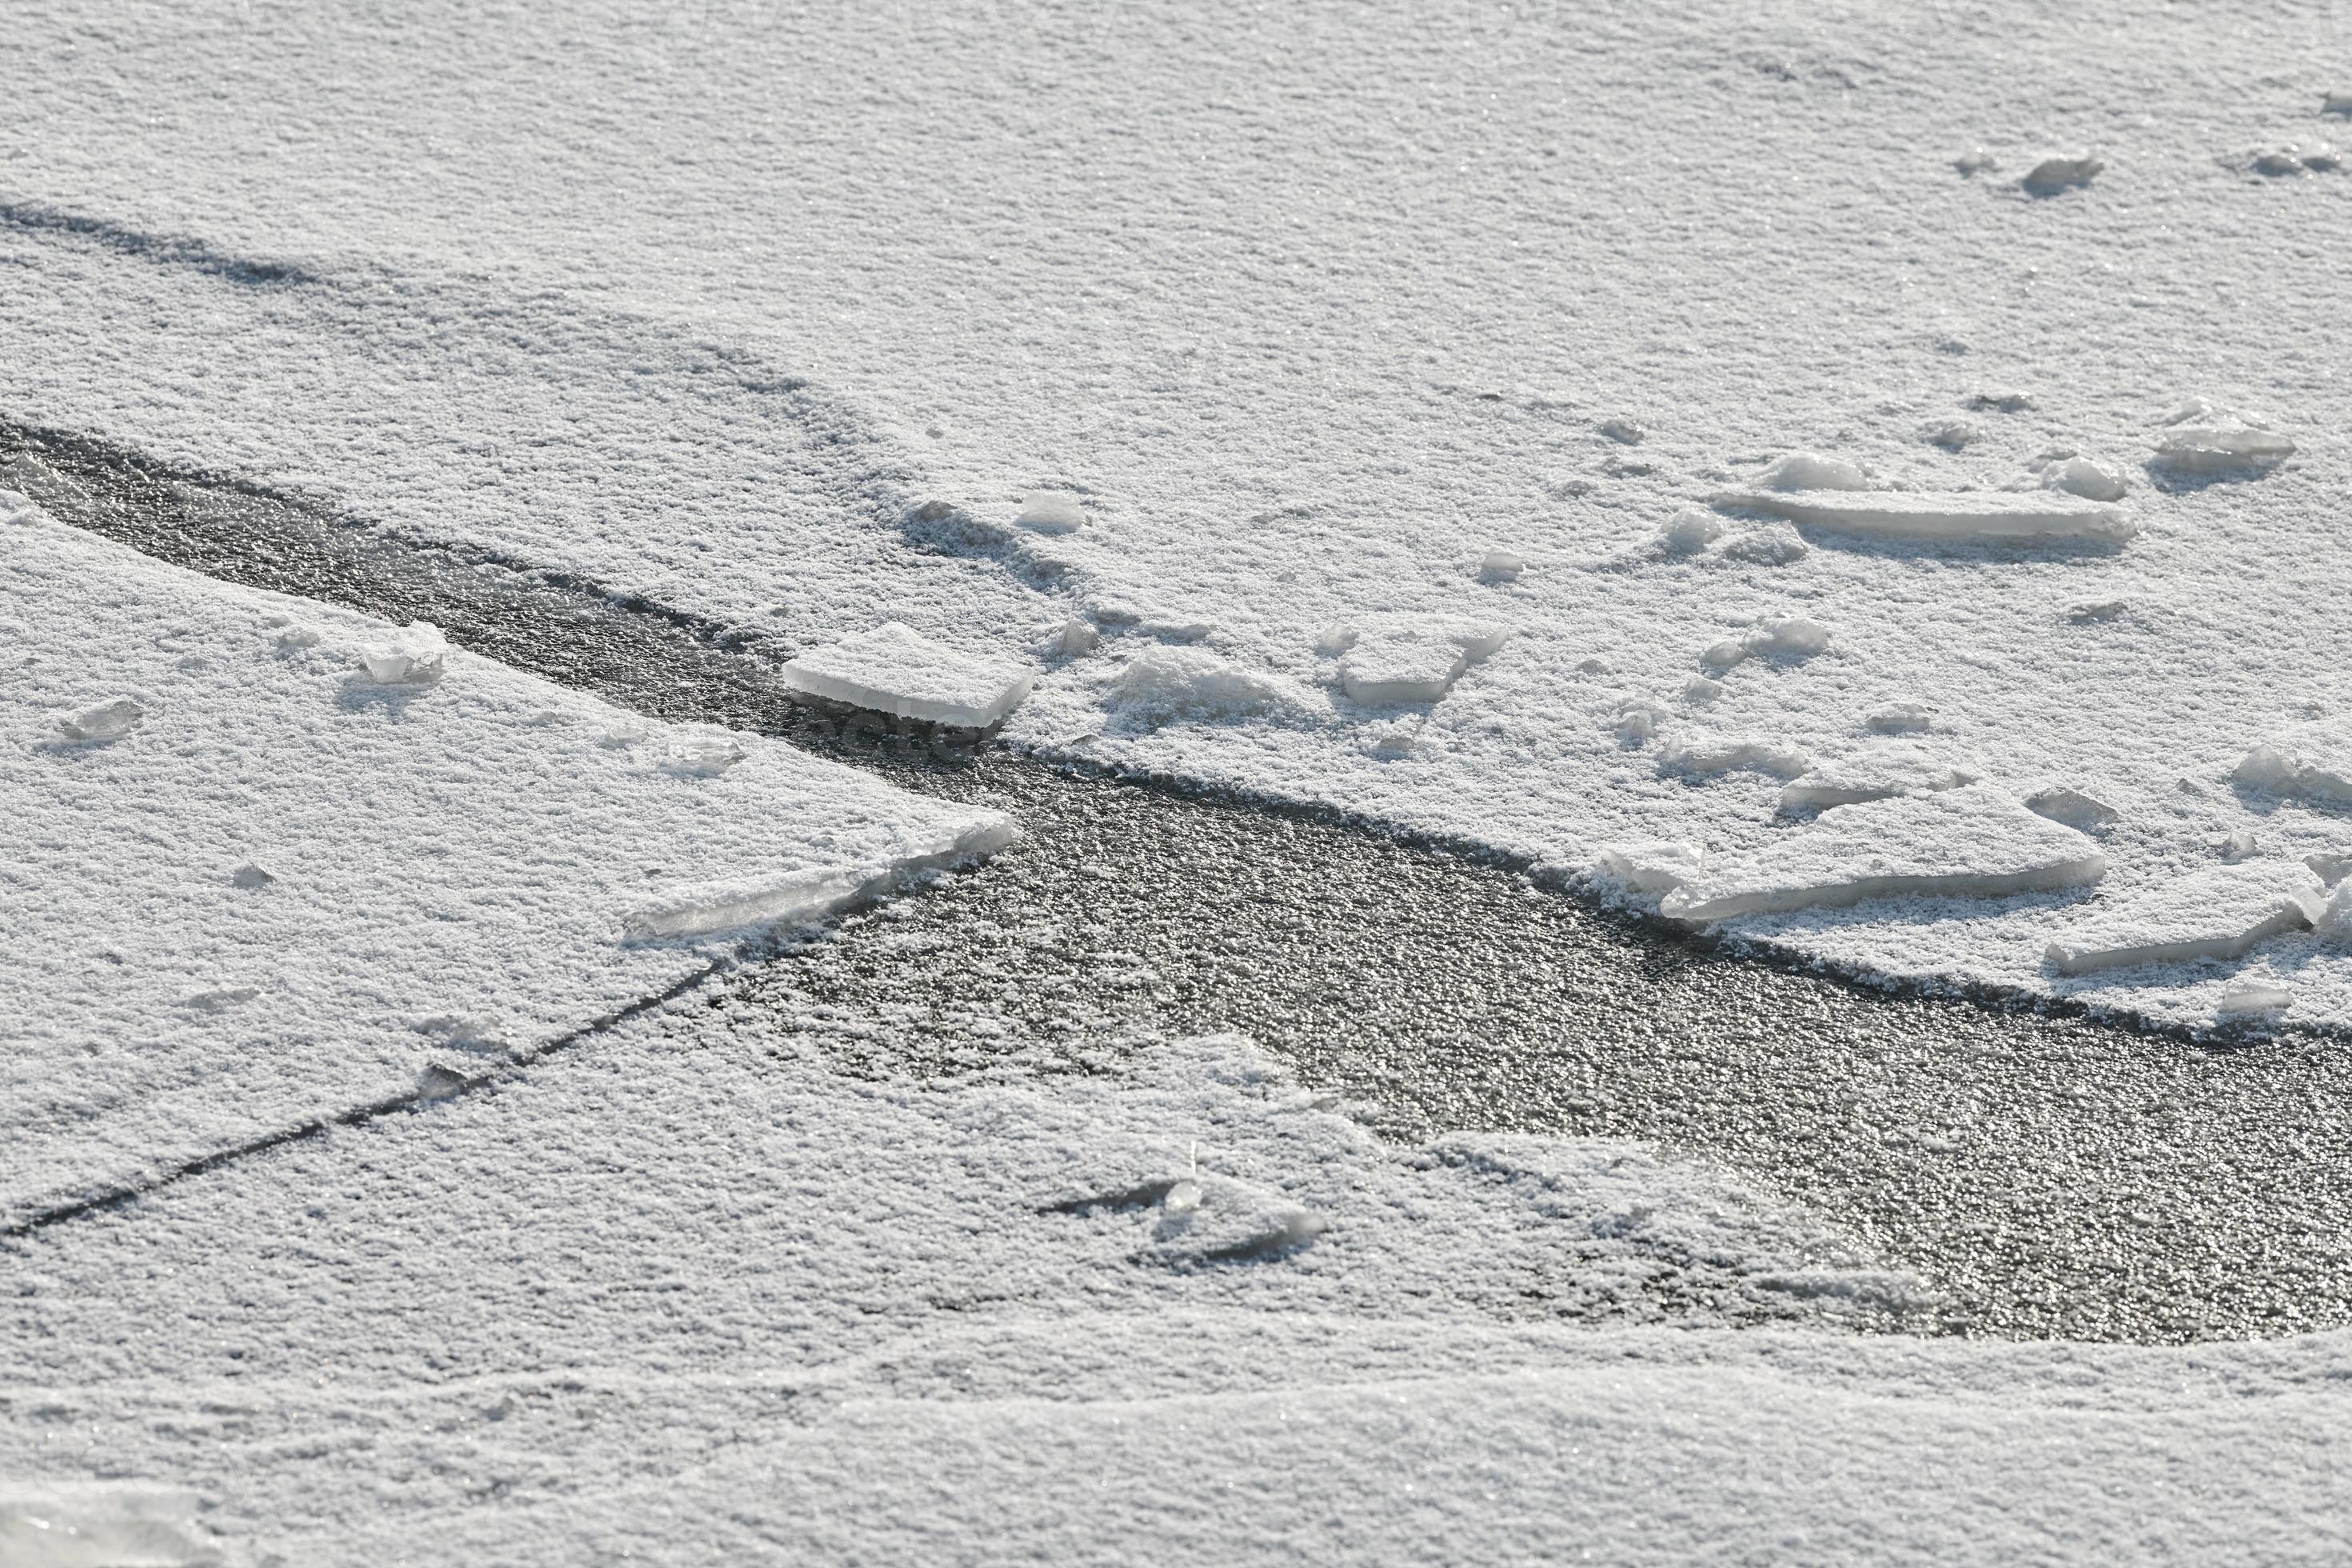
(1709, 756)
(1639, 720)
(2333, 921)
(620, 734)
(1900, 769)
(103, 1524)
(1898, 719)
(1975, 160)
(2329, 867)
(1076, 638)
(107, 722)
(2238, 845)
(250, 877)
(293, 637)
(1623, 430)
(1699, 689)
(2275, 161)
(893, 669)
(2082, 476)
(1655, 869)
(1406, 665)
(2220, 446)
(1389, 741)
(1776, 545)
(1052, 511)
(1778, 636)
(1690, 530)
(1973, 842)
(1336, 639)
(2098, 610)
(2335, 102)
(1501, 565)
(1170, 682)
(2244, 1000)
(703, 755)
(417, 655)
(1956, 516)
(1591, 666)
(1952, 435)
(2324, 158)
(2001, 400)
(2314, 760)
(2055, 175)
(2070, 806)
(220, 1000)
(2216, 913)
(1809, 471)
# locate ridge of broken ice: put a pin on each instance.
(1952, 516)
(2218, 912)
(895, 669)
(1971, 841)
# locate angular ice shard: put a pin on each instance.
(1188, 682)
(417, 655)
(107, 722)
(2082, 476)
(1955, 516)
(2251, 1001)
(2215, 913)
(893, 670)
(1689, 532)
(803, 897)
(1407, 665)
(1777, 637)
(1052, 511)
(2055, 175)
(1875, 775)
(2072, 806)
(1973, 841)
(2314, 760)
(1898, 718)
(2219, 444)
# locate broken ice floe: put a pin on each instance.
(2292, 159)
(1655, 869)
(1811, 471)
(2082, 476)
(2333, 921)
(1162, 683)
(2314, 760)
(893, 670)
(2055, 175)
(1874, 775)
(1776, 636)
(1052, 511)
(1898, 718)
(1954, 516)
(1689, 532)
(2217, 913)
(416, 655)
(106, 721)
(2329, 866)
(2085, 813)
(1705, 756)
(1624, 431)
(1383, 666)
(2238, 845)
(1973, 841)
(2202, 439)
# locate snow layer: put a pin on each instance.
(303, 877)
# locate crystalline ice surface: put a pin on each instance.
(893, 670)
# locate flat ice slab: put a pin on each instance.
(1875, 774)
(2217, 913)
(895, 669)
(1973, 841)
(1955, 516)
(292, 886)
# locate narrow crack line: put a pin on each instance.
(438, 1086)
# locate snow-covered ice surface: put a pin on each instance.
(318, 867)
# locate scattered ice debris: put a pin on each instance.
(1076, 638)
(1655, 869)
(1952, 435)
(893, 670)
(1975, 160)
(1052, 511)
(2217, 913)
(1898, 719)
(416, 655)
(2098, 610)
(1776, 545)
(1699, 689)
(250, 877)
(1184, 682)
(1501, 565)
(2082, 476)
(2001, 400)
(1689, 532)
(107, 722)
(1974, 842)
(703, 755)
(1809, 471)
(2246, 1001)
(808, 896)
(1899, 769)
(2055, 175)
(1952, 516)
(2072, 806)
(1709, 756)
(2314, 760)
(1638, 720)
(2238, 845)
(1623, 430)
(1780, 636)
(2202, 439)
(221, 999)
(1387, 666)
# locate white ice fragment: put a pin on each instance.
(1973, 841)
(107, 722)
(1638, 720)
(1955, 516)
(2238, 845)
(1182, 1197)
(1809, 471)
(2001, 400)
(2070, 806)
(703, 755)
(1898, 719)
(1975, 160)
(1778, 636)
(2098, 610)
(1590, 665)
(1052, 511)
(2329, 867)
(2220, 446)
(1900, 769)
(2278, 161)
(294, 637)
(1412, 664)
(1952, 435)
(1389, 741)
(1657, 869)
(2082, 476)
(1690, 530)
(220, 1000)
(893, 670)
(1774, 546)
(1170, 682)
(620, 734)
(2325, 158)
(2245, 1000)
(416, 655)
(1336, 639)
(2055, 175)
(1708, 755)
(808, 896)
(2314, 760)
(1623, 430)
(2216, 913)
(1076, 638)
(1501, 565)
(1699, 689)
(2333, 921)
(250, 877)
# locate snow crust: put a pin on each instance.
(896, 670)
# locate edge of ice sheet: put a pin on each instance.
(1958, 515)
(896, 670)
(805, 897)
(2219, 912)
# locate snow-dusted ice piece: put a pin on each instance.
(250, 877)
(1811, 472)
(1690, 530)
(702, 753)
(2249, 1000)
(417, 655)
(1190, 683)
(1898, 718)
(1389, 666)
(2076, 809)
(1875, 775)
(1655, 868)
(1052, 511)
(2218, 912)
(2314, 760)
(2053, 174)
(2001, 400)
(804, 898)
(2333, 924)
(1710, 754)
(1956, 515)
(2082, 476)
(1501, 565)
(2335, 102)
(1776, 636)
(2330, 866)
(104, 1524)
(2238, 845)
(1774, 546)
(1952, 435)
(1623, 430)
(106, 721)
(1076, 638)
(895, 669)
(2276, 160)
(2219, 446)
(1976, 161)
(1699, 689)
(1638, 720)
(1973, 841)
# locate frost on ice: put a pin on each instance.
(2314, 760)
(895, 669)
(1052, 511)
(1950, 516)
(1875, 775)
(107, 722)
(2217, 913)
(1971, 841)
(1391, 665)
